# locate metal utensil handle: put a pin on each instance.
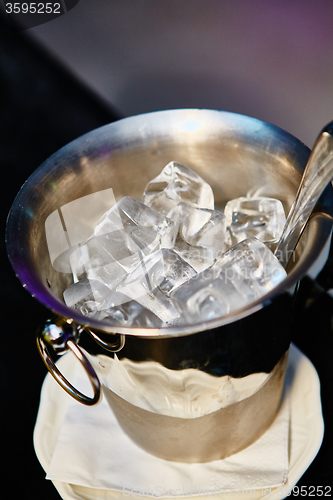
(62, 381)
(317, 174)
(112, 347)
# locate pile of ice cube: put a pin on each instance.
(172, 259)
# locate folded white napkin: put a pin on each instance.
(93, 451)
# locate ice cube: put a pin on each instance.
(261, 217)
(200, 236)
(87, 296)
(154, 279)
(131, 313)
(110, 275)
(243, 274)
(124, 250)
(130, 213)
(252, 268)
(206, 297)
(130, 230)
(199, 258)
(92, 260)
(93, 298)
(175, 184)
(202, 227)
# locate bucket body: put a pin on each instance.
(247, 348)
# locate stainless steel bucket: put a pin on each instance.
(234, 154)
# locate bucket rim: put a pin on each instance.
(321, 221)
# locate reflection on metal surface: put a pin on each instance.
(317, 174)
(72, 224)
(210, 437)
(115, 346)
(62, 337)
(233, 153)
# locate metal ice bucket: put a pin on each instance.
(235, 154)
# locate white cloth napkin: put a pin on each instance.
(93, 451)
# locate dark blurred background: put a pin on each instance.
(110, 58)
(271, 60)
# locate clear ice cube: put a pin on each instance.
(124, 249)
(200, 235)
(202, 227)
(261, 217)
(87, 296)
(252, 268)
(131, 313)
(206, 297)
(130, 230)
(131, 213)
(154, 279)
(92, 260)
(243, 274)
(165, 263)
(175, 184)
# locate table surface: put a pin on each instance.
(43, 108)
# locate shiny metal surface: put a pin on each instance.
(317, 174)
(234, 153)
(62, 381)
(213, 436)
(57, 332)
(115, 346)
(62, 336)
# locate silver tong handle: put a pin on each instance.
(317, 174)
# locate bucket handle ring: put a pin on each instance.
(62, 381)
(62, 335)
